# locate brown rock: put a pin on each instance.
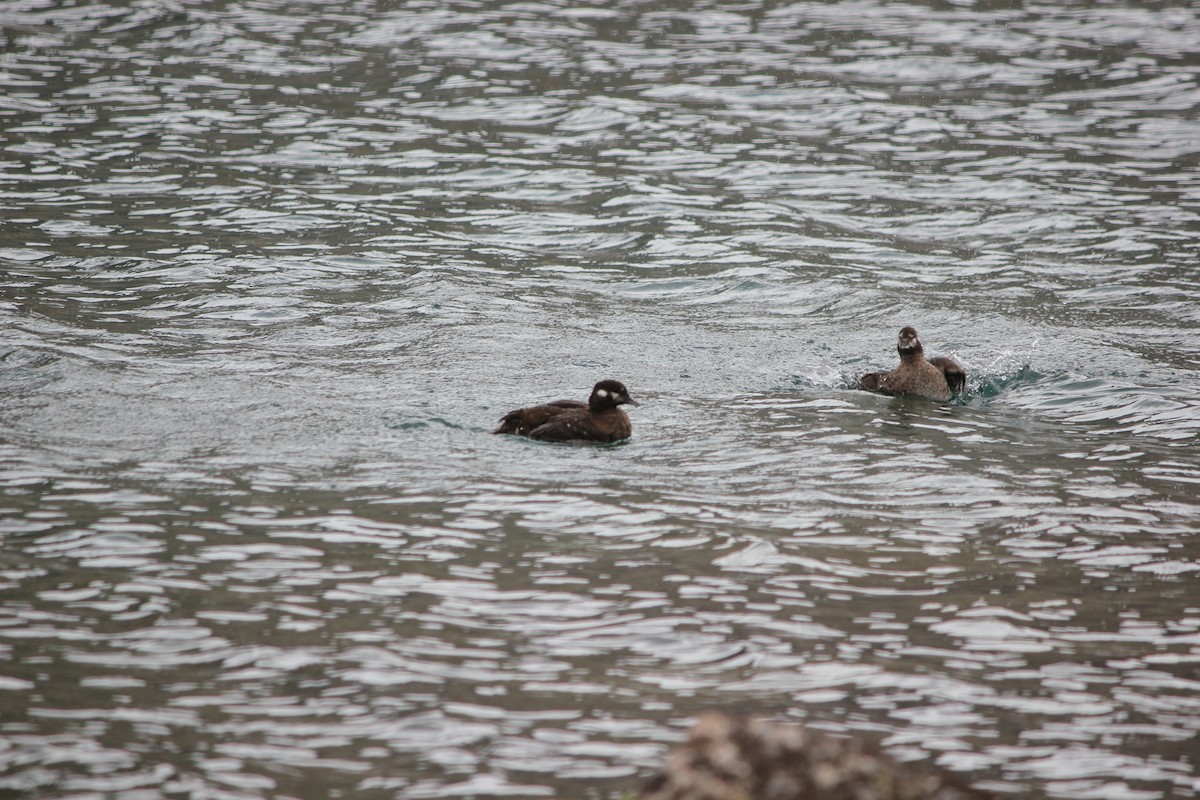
(748, 758)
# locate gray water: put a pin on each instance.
(270, 272)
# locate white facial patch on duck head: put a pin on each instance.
(602, 393)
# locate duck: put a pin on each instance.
(600, 420)
(937, 378)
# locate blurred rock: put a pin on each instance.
(748, 758)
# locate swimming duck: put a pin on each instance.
(937, 378)
(599, 420)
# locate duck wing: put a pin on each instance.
(872, 381)
(566, 426)
(524, 420)
(581, 425)
(956, 376)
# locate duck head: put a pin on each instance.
(609, 394)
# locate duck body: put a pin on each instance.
(600, 420)
(937, 378)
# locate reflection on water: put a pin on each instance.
(269, 273)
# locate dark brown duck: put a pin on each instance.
(937, 378)
(599, 420)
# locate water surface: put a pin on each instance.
(270, 272)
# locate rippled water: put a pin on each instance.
(270, 271)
